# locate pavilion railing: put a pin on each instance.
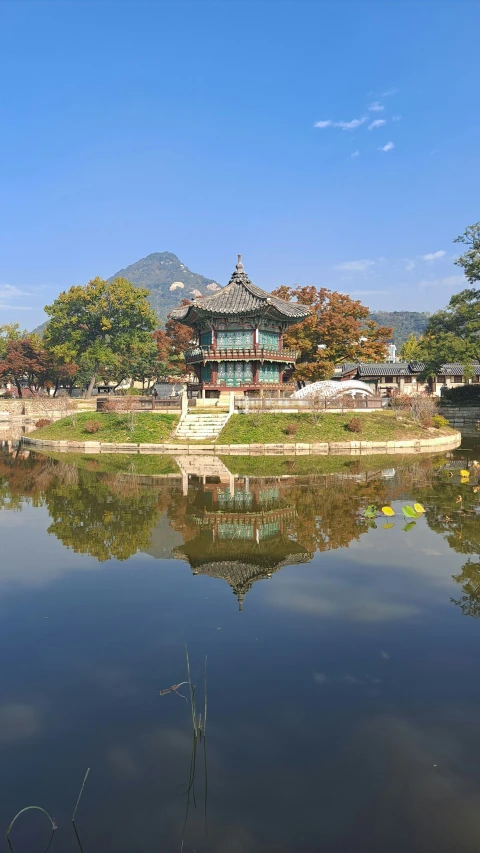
(197, 354)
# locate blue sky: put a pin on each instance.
(135, 127)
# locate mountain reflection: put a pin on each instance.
(236, 527)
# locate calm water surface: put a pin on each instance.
(343, 656)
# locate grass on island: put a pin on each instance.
(318, 466)
(273, 428)
(148, 428)
(144, 464)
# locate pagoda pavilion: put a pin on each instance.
(243, 533)
(238, 342)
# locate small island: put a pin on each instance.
(256, 433)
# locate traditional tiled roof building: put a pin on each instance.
(239, 337)
(405, 376)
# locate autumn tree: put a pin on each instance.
(171, 345)
(338, 330)
(24, 361)
(97, 324)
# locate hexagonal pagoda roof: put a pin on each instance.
(239, 298)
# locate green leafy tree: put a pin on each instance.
(99, 324)
(470, 260)
(411, 349)
(453, 334)
(105, 517)
(469, 580)
(141, 363)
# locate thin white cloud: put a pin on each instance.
(387, 147)
(6, 307)
(447, 281)
(9, 292)
(355, 154)
(388, 93)
(434, 256)
(376, 107)
(355, 266)
(351, 125)
(379, 122)
(344, 125)
(396, 118)
(410, 265)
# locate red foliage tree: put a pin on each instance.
(24, 362)
(337, 330)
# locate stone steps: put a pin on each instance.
(199, 426)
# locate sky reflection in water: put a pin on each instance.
(343, 696)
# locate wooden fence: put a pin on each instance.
(264, 404)
(139, 404)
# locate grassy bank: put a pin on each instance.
(144, 428)
(310, 466)
(277, 428)
(117, 463)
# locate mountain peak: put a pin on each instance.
(167, 279)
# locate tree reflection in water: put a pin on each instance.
(245, 528)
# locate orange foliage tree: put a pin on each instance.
(338, 330)
(172, 343)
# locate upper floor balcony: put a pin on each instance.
(204, 354)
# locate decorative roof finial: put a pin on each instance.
(239, 264)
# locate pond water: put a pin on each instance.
(342, 653)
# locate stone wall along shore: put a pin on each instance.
(423, 445)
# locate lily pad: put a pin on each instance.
(409, 512)
(418, 508)
(387, 510)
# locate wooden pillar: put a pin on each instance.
(214, 372)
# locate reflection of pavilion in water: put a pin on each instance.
(242, 533)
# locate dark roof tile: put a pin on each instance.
(240, 296)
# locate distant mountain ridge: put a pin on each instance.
(169, 281)
(403, 322)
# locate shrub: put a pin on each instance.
(426, 422)
(43, 422)
(355, 425)
(438, 421)
(119, 404)
(462, 394)
(423, 407)
(91, 427)
(133, 392)
(291, 429)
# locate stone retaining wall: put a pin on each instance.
(464, 418)
(43, 406)
(423, 445)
